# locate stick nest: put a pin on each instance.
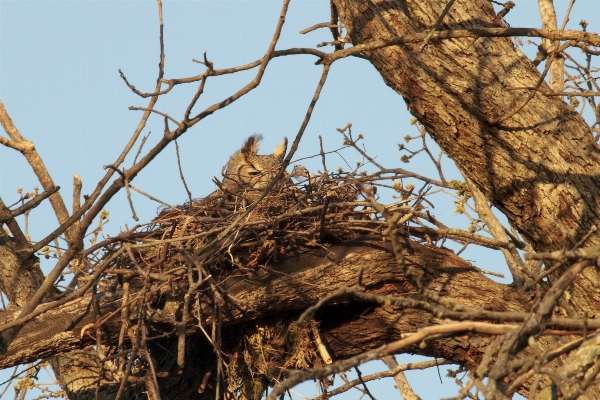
(287, 221)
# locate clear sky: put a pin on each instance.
(59, 81)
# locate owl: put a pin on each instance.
(250, 172)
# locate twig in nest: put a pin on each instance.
(322, 218)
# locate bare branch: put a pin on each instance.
(298, 377)
(585, 37)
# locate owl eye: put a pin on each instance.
(254, 173)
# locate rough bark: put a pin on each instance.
(18, 276)
(539, 165)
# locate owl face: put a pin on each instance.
(257, 172)
(248, 170)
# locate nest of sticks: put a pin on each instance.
(221, 234)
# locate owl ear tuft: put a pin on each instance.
(250, 147)
(280, 150)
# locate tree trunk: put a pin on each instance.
(540, 166)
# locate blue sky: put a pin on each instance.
(59, 81)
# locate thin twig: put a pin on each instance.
(181, 173)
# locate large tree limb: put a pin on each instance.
(292, 286)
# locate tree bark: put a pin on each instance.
(538, 164)
(540, 167)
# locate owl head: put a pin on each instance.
(247, 169)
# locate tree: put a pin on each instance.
(519, 146)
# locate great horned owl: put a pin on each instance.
(246, 170)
